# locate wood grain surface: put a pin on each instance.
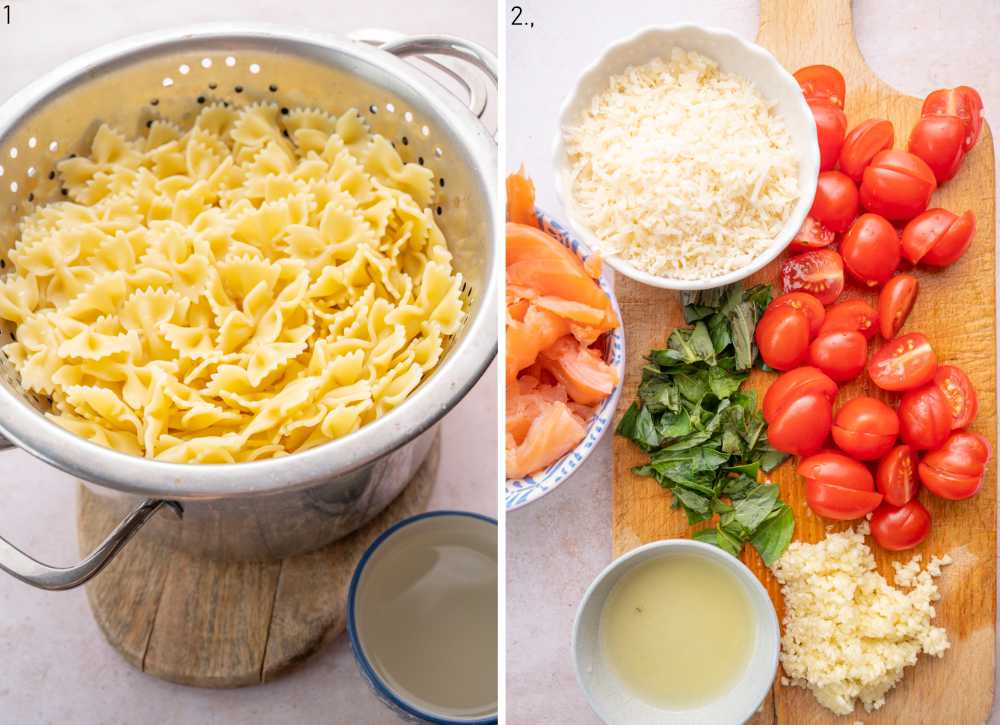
(956, 309)
(228, 624)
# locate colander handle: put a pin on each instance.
(464, 50)
(31, 571)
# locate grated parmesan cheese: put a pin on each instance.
(682, 170)
(848, 632)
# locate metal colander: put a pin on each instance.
(334, 488)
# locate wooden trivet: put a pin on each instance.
(227, 624)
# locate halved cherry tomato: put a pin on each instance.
(862, 143)
(900, 527)
(838, 487)
(938, 237)
(896, 477)
(865, 428)
(811, 235)
(822, 81)
(897, 185)
(870, 249)
(938, 140)
(795, 384)
(895, 302)
(819, 272)
(831, 124)
(961, 396)
(951, 245)
(903, 363)
(851, 315)
(806, 303)
(924, 417)
(836, 202)
(801, 425)
(837, 469)
(783, 337)
(963, 102)
(840, 355)
(955, 470)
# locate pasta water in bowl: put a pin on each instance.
(676, 631)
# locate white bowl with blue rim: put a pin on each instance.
(423, 617)
(522, 491)
(612, 700)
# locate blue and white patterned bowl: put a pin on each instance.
(522, 491)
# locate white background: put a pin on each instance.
(556, 546)
(55, 667)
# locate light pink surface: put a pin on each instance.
(556, 546)
(55, 666)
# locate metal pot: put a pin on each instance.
(278, 507)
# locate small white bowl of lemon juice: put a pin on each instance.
(676, 631)
(422, 618)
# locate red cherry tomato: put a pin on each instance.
(865, 428)
(819, 272)
(840, 355)
(897, 185)
(862, 143)
(951, 245)
(802, 425)
(783, 337)
(838, 487)
(811, 235)
(963, 102)
(896, 477)
(924, 417)
(903, 363)
(836, 202)
(822, 81)
(842, 504)
(957, 388)
(938, 140)
(938, 237)
(836, 469)
(895, 302)
(805, 303)
(851, 316)
(955, 470)
(871, 250)
(795, 384)
(831, 124)
(900, 527)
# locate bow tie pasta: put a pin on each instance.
(257, 285)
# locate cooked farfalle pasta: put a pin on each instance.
(254, 286)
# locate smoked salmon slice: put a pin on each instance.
(556, 311)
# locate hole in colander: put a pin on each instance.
(390, 108)
(184, 69)
(201, 99)
(273, 88)
(425, 130)
(420, 160)
(3, 263)
(284, 110)
(408, 116)
(13, 186)
(230, 61)
(206, 62)
(31, 197)
(406, 141)
(238, 89)
(32, 142)
(213, 85)
(52, 175)
(54, 146)
(13, 152)
(149, 123)
(31, 172)
(254, 68)
(167, 82)
(373, 108)
(439, 211)
(155, 102)
(438, 152)
(441, 182)
(1, 170)
(64, 191)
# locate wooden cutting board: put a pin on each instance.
(955, 309)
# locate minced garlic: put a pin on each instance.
(848, 633)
